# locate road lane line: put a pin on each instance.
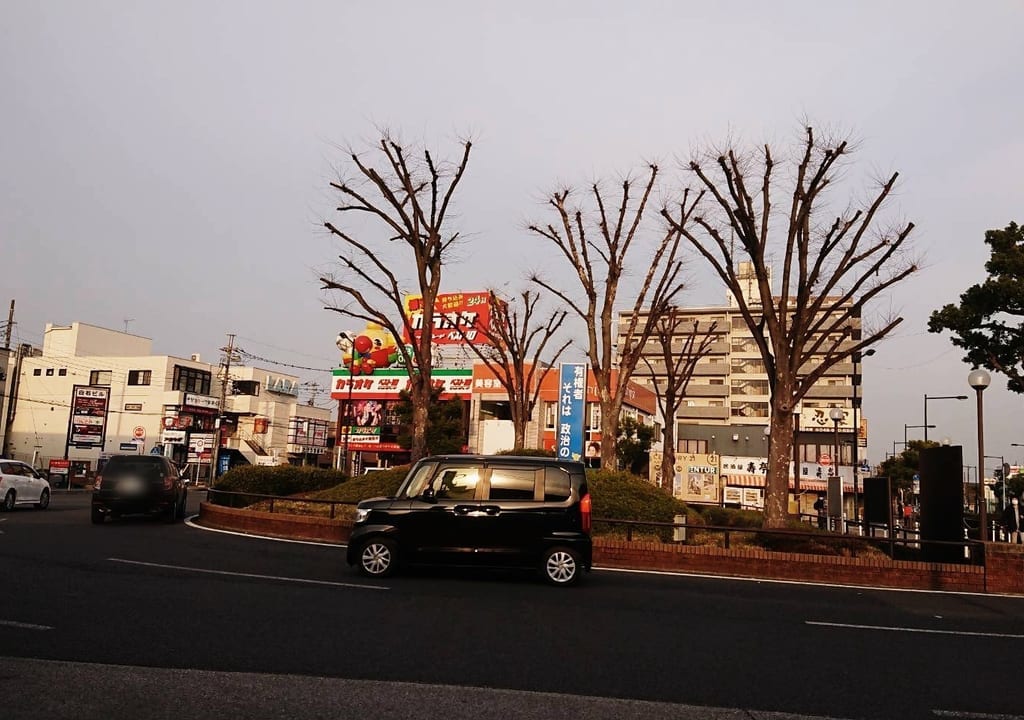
(974, 715)
(304, 581)
(914, 630)
(197, 526)
(24, 626)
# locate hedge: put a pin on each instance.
(277, 479)
(383, 483)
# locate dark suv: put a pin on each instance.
(483, 511)
(149, 484)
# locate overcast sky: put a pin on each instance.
(167, 163)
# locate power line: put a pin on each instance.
(250, 355)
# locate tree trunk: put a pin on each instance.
(668, 457)
(420, 397)
(519, 430)
(776, 494)
(609, 428)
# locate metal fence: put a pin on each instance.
(274, 503)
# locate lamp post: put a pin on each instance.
(935, 397)
(857, 358)
(979, 380)
(345, 342)
(911, 427)
(836, 414)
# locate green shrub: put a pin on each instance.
(731, 517)
(383, 483)
(623, 496)
(529, 452)
(277, 480)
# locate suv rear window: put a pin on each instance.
(512, 483)
(146, 467)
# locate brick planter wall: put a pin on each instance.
(1004, 572)
(754, 563)
(295, 527)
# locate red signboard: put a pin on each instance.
(88, 424)
(458, 317)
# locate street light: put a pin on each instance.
(345, 342)
(836, 414)
(979, 380)
(936, 397)
(857, 358)
(911, 427)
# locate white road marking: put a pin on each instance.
(914, 630)
(739, 578)
(24, 626)
(304, 581)
(977, 716)
(188, 521)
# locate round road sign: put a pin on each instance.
(825, 460)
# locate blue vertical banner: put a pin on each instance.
(572, 393)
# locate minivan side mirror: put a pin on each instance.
(429, 496)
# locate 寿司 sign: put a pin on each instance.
(387, 384)
(458, 317)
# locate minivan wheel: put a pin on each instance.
(561, 566)
(377, 557)
(8, 501)
(97, 516)
(44, 500)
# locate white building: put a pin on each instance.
(95, 392)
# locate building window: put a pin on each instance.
(139, 377)
(188, 379)
(100, 377)
(62, 372)
(37, 372)
(49, 372)
(595, 416)
(693, 447)
(550, 415)
(245, 387)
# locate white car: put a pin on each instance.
(21, 485)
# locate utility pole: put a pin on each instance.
(10, 328)
(229, 354)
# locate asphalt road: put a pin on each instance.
(141, 619)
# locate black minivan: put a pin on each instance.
(480, 511)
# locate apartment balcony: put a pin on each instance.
(830, 392)
(702, 413)
(716, 391)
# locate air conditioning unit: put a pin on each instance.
(195, 357)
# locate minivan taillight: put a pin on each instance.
(168, 482)
(99, 482)
(585, 505)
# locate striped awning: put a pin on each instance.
(806, 484)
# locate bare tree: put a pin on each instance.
(831, 268)
(597, 243)
(511, 335)
(407, 202)
(680, 349)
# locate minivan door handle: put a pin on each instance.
(491, 509)
(464, 509)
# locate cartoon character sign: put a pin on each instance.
(372, 348)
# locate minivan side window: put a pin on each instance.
(457, 482)
(557, 485)
(415, 485)
(512, 483)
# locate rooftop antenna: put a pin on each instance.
(126, 321)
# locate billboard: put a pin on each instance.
(458, 317)
(818, 420)
(387, 384)
(88, 422)
(696, 478)
(572, 391)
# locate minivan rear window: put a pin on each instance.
(134, 466)
(557, 484)
(512, 483)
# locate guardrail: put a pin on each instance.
(234, 499)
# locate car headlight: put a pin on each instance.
(362, 514)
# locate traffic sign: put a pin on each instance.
(825, 460)
(139, 433)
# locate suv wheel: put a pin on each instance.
(8, 504)
(44, 500)
(377, 557)
(171, 513)
(97, 516)
(561, 566)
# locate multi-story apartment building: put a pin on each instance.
(725, 410)
(94, 392)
